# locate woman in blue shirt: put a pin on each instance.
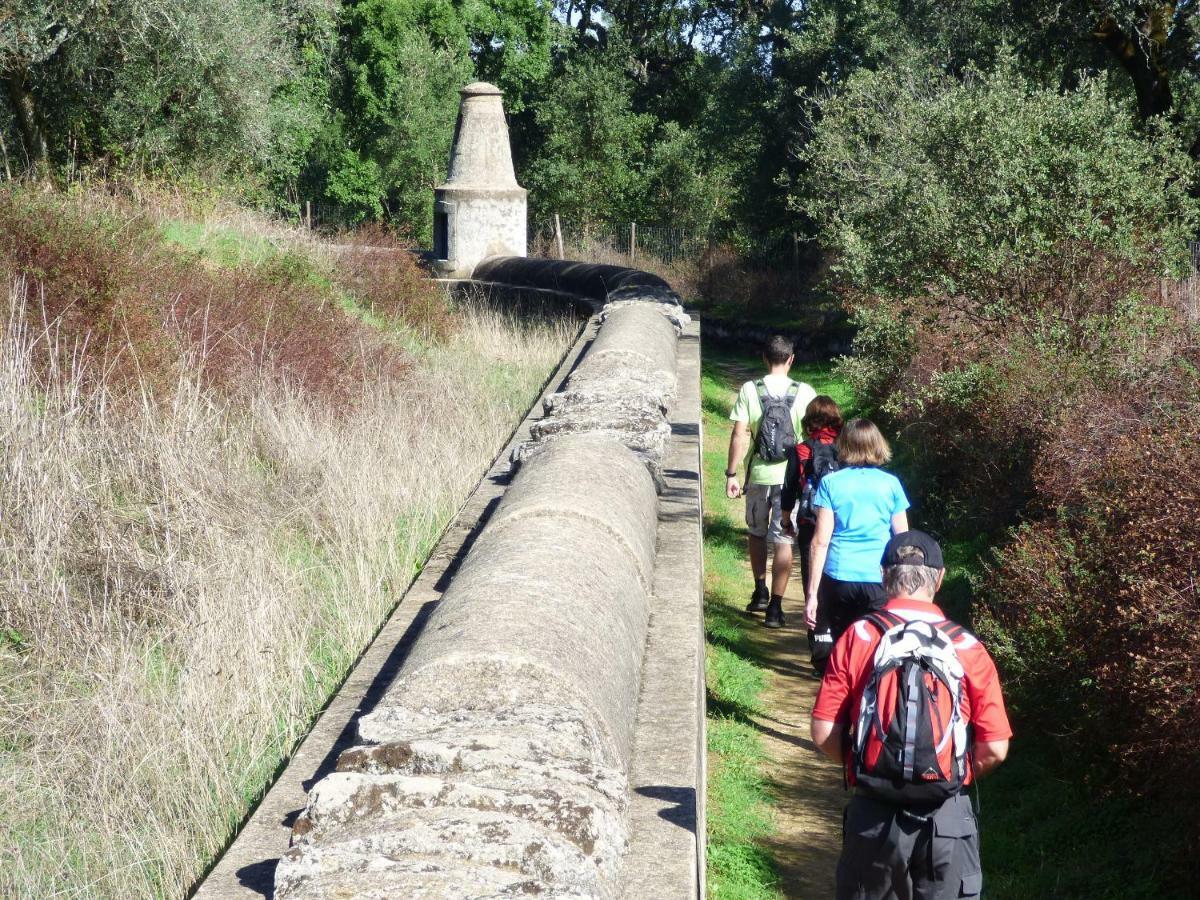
(859, 507)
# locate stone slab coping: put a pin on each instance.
(666, 855)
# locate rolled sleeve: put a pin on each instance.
(822, 498)
(989, 718)
(741, 406)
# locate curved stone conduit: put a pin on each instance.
(498, 761)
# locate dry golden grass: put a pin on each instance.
(180, 588)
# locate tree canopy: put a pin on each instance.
(696, 113)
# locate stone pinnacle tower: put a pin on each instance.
(480, 210)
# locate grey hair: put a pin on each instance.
(905, 581)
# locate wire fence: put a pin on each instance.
(628, 241)
(1185, 291)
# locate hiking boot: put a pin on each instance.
(774, 617)
(758, 600)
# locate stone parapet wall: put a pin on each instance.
(623, 387)
(497, 763)
(599, 282)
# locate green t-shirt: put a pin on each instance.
(748, 409)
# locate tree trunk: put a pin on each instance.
(33, 136)
(1140, 55)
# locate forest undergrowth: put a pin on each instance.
(191, 556)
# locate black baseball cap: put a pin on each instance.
(931, 553)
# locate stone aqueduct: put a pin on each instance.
(530, 721)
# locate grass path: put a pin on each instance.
(774, 802)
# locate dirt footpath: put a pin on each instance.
(806, 784)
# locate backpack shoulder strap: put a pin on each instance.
(883, 620)
(792, 391)
(952, 629)
(761, 387)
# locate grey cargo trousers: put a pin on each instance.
(891, 854)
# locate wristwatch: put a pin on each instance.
(731, 474)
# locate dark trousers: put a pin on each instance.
(839, 603)
(889, 853)
(804, 536)
(819, 643)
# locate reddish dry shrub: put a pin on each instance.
(1070, 406)
(979, 389)
(145, 313)
(383, 272)
(1094, 608)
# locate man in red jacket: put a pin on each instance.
(927, 849)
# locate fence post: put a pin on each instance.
(558, 240)
(4, 150)
(632, 242)
(308, 214)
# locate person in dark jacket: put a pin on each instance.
(814, 456)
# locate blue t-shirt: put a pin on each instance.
(863, 500)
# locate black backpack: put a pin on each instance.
(824, 460)
(776, 436)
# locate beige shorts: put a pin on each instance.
(763, 513)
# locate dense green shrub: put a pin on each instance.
(996, 242)
(150, 84)
(966, 189)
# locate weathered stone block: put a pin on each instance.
(488, 760)
(613, 379)
(540, 612)
(630, 392)
(495, 850)
(665, 303)
(648, 446)
(346, 800)
(441, 835)
(638, 334)
(588, 482)
(532, 731)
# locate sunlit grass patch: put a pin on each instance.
(739, 813)
(224, 246)
(739, 817)
(739, 800)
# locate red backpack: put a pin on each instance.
(910, 739)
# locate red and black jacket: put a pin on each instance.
(799, 466)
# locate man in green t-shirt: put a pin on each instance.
(764, 480)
